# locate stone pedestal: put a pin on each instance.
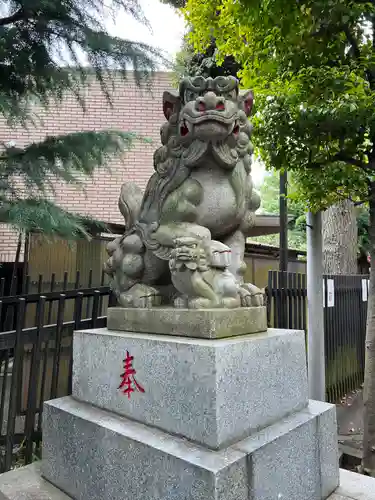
(212, 392)
(165, 417)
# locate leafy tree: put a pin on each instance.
(312, 67)
(38, 39)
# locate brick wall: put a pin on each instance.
(133, 110)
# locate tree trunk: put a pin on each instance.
(368, 461)
(340, 234)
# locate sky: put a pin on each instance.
(167, 26)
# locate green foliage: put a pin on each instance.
(40, 40)
(269, 193)
(311, 65)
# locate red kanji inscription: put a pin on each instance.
(128, 382)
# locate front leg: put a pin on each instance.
(236, 243)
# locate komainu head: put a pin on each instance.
(207, 114)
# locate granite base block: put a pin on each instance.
(296, 458)
(212, 392)
(199, 323)
(92, 454)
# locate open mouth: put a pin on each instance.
(184, 129)
(187, 126)
(236, 129)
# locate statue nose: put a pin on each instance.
(210, 101)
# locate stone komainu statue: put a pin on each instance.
(185, 235)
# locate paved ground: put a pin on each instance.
(354, 487)
(26, 484)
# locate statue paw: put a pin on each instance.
(251, 296)
(141, 296)
(202, 303)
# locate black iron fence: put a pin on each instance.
(36, 357)
(345, 311)
(36, 332)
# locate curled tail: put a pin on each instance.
(130, 202)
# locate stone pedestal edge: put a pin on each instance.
(200, 323)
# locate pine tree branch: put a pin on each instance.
(40, 215)
(17, 16)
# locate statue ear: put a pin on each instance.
(171, 102)
(247, 100)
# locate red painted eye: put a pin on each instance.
(236, 130)
(220, 106)
(201, 106)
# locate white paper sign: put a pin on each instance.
(364, 290)
(330, 293)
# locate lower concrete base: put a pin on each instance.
(26, 484)
(92, 454)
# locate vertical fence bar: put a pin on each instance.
(39, 291)
(299, 303)
(65, 281)
(304, 305)
(58, 340)
(33, 382)
(269, 299)
(276, 301)
(18, 348)
(95, 308)
(289, 293)
(27, 284)
(102, 278)
(88, 299)
(77, 282)
(77, 321)
(45, 349)
(294, 298)
(5, 359)
(50, 305)
(5, 362)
